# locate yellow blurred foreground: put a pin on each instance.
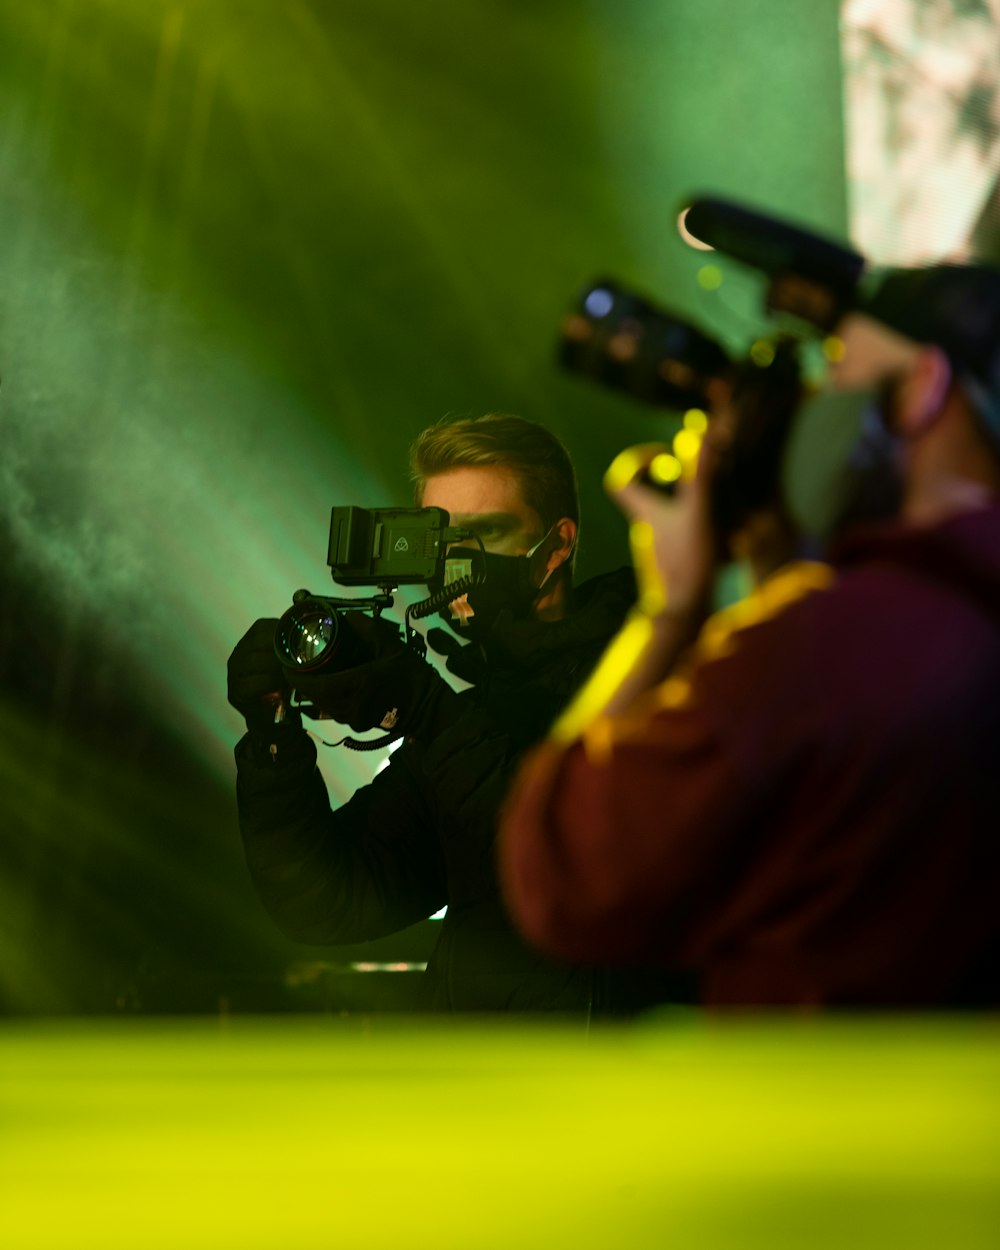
(312, 1132)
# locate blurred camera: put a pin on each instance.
(626, 342)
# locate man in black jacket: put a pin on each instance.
(421, 835)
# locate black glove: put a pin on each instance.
(256, 683)
(399, 692)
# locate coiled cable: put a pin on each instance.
(440, 598)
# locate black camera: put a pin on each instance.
(384, 548)
(626, 342)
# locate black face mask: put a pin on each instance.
(509, 584)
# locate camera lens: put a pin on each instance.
(307, 634)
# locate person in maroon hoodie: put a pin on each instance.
(799, 804)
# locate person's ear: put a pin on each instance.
(561, 544)
(922, 392)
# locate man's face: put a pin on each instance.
(487, 499)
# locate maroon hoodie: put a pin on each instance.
(812, 816)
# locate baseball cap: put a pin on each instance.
(956, 308)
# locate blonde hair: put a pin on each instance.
(531, 452)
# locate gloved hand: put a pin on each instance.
(399, 692)
(673, 548)
(256, 682)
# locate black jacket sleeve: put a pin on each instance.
(370, 867)
(420, 835)
(469, 768)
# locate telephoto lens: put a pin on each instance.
(314, 634)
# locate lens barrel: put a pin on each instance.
(311, 635)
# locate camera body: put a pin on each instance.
(383, 548)
(624, 341)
